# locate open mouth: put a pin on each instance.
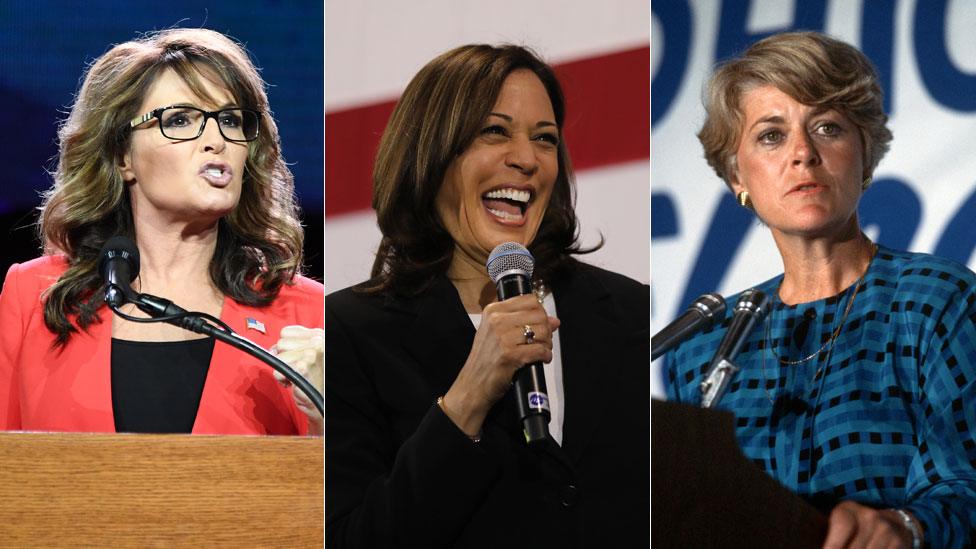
(216, 173)
(807, 188)
(507, 204)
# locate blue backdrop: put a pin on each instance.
(45, 46)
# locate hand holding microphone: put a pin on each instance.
(502, 347)
(510, 267)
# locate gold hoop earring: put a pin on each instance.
(743, 199)
(865, 184)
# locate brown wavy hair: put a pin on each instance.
(259, 244)
(438, 116)
(810, 67)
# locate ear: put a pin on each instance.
(736, 185)
(732, 175)
(125, 168)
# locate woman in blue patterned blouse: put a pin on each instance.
(858, 391)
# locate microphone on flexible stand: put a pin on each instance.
(698, 316)
(749, 310)
(118, 263)
(510, 267)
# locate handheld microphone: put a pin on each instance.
(118, 264)
(699, 315)
(510, 267)
(751, 307)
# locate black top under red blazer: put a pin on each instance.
(399, 473)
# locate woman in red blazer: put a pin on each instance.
(169, 143)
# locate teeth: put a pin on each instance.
(504, 215)
(216, 172)
(510, 194)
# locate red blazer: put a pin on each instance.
(43, 388)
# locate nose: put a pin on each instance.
(521, 155)
(805, 150)
(211, 140)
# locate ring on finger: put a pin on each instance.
(528, 334)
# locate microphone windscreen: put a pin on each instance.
(510, 258)
(123, 247)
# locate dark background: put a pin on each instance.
(45, 46)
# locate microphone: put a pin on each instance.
(749, 310)
(699, 315)
(118, 264)
(510, 267)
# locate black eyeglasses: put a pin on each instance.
(187, 123)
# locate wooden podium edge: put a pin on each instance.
(81, 489)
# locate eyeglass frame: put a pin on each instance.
(157, 113)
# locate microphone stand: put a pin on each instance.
(164, 310)
(238, 341)
(750, 309)
(717, 382)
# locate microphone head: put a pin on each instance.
(753, 301)
(119, 247)
(711, 305)
(510, 258)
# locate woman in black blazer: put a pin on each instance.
(423, 444)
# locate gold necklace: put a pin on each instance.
(840, 326)
(828, 345)
(850, 302)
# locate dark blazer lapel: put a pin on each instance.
(589, 336)
(441, 335)
(440, 339)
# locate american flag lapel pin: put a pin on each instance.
(254, 324)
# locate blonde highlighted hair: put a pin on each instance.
(810, 67)
(259, 244)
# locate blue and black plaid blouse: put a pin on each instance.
(886, 417)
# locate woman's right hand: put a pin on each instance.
(498, 351)
(303, 349)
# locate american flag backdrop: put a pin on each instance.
(601, 52)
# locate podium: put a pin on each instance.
(128, 490)
(706, 493)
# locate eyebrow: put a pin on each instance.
(227, 105)
(773, 119)
(507, 118)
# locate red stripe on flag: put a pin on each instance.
(608, 108)
(608, 122)
(351, 139)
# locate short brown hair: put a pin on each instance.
(810, 67)
(259, 244)
(435, 120)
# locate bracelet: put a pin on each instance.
(911, 525)
(474, 438)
